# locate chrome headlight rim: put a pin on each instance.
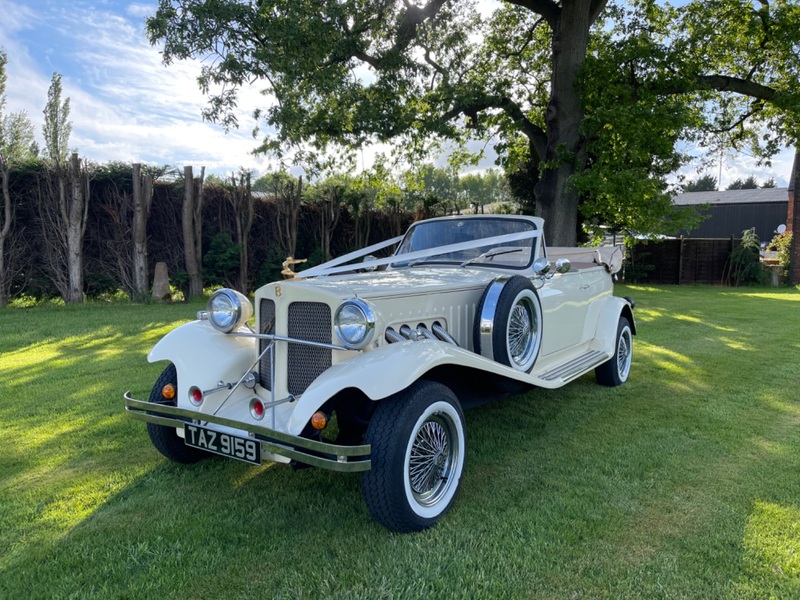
(368, 318)
(239, 310)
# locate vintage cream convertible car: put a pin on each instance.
(363, 363)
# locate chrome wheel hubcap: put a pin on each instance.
(521, 332)
(434, 454)
(624, 353)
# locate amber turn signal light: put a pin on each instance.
(319, 420)
(168, 391)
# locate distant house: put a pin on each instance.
(730, 212)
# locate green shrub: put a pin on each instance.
(745, 266)
(221, 261)
(96, 285)
(782, 244)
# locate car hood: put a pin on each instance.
(399, 282)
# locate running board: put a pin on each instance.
(576, 367)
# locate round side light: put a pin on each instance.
(257, 409)
(195, 395)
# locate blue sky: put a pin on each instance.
(126, 105)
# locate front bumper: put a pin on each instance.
(311, 452)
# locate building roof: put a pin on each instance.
(756, 196)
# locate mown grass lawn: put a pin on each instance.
(683, 483)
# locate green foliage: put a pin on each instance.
(270, 269)
(221, 261)
(769, 183)
(719, 73)
(636, 267)
(745, 264)
(3, 78)
(782, 244)
(57, 128)
(96, 285)
(17, 139)
(706, 183)
(748, 184)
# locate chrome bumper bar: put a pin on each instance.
(311, 452)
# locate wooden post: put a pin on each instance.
(142, 200)
(192, 229)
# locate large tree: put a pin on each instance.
(590, 97)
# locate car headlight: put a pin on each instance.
(228, 309)
(354, 323)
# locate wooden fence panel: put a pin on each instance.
(683, 261)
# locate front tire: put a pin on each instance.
(166, 439)
(418, 448)
(615, 370)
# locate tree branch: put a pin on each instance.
(547, 8)
(720, 83)
(595, 9)
(533, 132)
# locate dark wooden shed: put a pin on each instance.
(730, 212)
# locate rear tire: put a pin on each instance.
(418, 447)
(166, 439)
(615, 370)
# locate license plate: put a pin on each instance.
(244, 449)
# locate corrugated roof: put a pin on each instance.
(760, 196)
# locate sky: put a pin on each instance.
(125, 105)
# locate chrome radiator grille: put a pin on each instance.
(266, 316)
(307, 321)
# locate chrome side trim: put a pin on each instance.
(312, 452)
(486, 319)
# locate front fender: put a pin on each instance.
(203, 356)
(388, 370)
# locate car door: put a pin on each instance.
(564, 304)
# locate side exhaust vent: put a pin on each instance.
(436, 332)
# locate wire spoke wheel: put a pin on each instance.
(433, 456)
(624, 353)
(508, 323)
(521, 332)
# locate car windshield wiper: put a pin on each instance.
(490, 254)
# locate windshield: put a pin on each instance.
(428, 235)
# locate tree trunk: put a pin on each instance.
(198, 227)
(77, 212)
(192, 229)
(556, 198)
(142, 200)
(289, 199)
(242, 200)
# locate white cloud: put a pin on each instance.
(125, 104)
